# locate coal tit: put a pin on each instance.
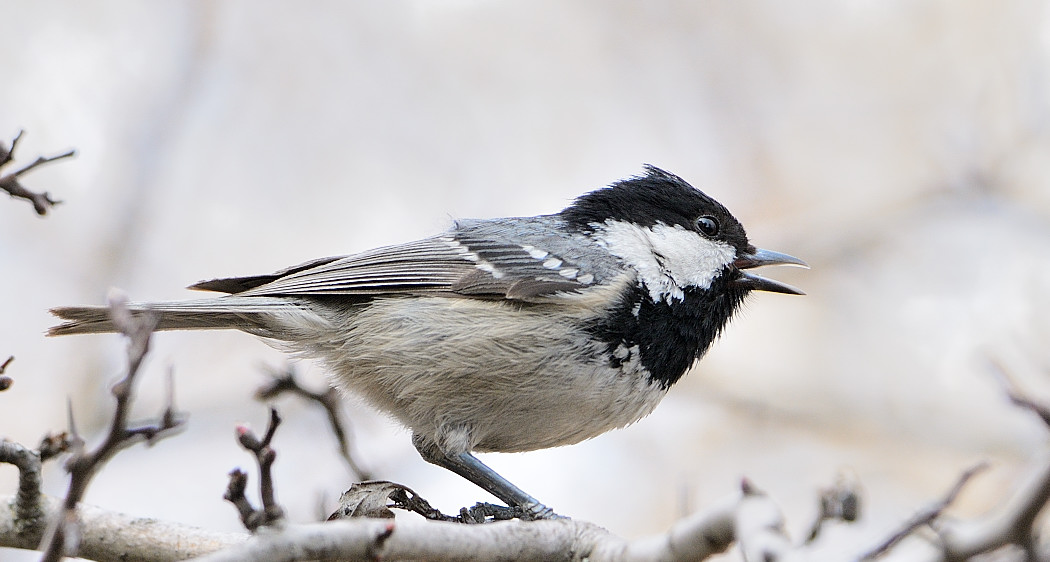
(509, 334)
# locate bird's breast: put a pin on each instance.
(487, 375)
(665, 336)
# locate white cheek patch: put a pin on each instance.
(667, 258)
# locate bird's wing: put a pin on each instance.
(458, 263)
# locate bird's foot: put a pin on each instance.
(489, 512)
(536, 510)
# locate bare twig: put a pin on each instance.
(927, 516)
(1015, 395)
(82, 466)
(6, 154)
(271, 513)
(1014, 524)
(235, 495)
(40, 160)
(5, 380)
(286, 381)
(42, 202)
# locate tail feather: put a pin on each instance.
(238, 313)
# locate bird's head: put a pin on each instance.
(674, 236)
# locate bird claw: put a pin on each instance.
(488, 512)
(535, 511)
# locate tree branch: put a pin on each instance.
(6, 154)
(42, 202)
(285, 382)
(271, 513)
(1014, 522)
(28, 507)
(927, 516)
(1011, 526)
(115, 537)
(63, 534)
(752, 519)
(5, 380)
(109, 536)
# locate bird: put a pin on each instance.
(506, 334)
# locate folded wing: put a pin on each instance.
(465, 262)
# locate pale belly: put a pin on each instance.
(484, 375)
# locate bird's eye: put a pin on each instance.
(707, 225)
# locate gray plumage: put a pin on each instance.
(505, 334)
(412, 329)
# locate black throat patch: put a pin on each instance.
(669, 336)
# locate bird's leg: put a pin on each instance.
(468, 466)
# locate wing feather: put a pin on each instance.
(448, 265)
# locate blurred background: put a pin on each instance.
(901, 148)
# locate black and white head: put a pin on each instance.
(677, 238)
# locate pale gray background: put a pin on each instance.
(900, 147)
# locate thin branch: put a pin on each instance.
(42, 201)
(235, 494)
(76, 442)
(62, 537)
(6, 154)
(1015, 395)
(286, 382)
(927, 516)
(271, 513)
(1013, 524)
(266, 457)
(40, 160)
(5, 380)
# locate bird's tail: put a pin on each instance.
(250, 314)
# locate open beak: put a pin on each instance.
(761, 257)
